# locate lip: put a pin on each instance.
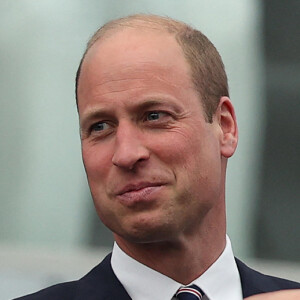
(139, 193)
(136, 187)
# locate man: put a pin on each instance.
(157, 127)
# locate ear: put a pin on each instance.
(229, 132)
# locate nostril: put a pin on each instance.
(128, 159)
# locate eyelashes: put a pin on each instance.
(99, 126)
(155, 115)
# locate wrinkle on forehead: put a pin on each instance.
(120, 78)
(110, 88)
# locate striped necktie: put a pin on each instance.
(190, 292)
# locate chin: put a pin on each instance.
(146, 234)
(149, 227)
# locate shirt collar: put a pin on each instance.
(143, 283)
(222, 279)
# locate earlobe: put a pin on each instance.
(228, 125)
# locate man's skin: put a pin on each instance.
(281, 295)
(156, 168)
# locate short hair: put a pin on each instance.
(208, 71)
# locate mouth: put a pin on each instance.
(138, 193)
(131, 188)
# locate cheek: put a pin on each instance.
(97, 165)
(172, 145)
(96, 162)
(194, 159)
(178, 149)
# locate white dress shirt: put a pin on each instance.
(221, 281)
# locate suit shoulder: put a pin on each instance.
(261, 282)
(97, 284)
(66, 291)
(281, 283)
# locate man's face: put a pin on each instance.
(153, 162)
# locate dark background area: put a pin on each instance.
(279, 208)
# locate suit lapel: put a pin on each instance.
(249, 280)
(101, 283)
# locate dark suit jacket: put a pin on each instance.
(102, 284)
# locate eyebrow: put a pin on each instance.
(154, 102)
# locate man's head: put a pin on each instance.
(155, 165)
(207, 69)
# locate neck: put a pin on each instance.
(185, 258)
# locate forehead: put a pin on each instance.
(135, 50)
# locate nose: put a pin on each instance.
(129, 147)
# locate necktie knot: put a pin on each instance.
(190, 292)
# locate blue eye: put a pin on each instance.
(154, 115)
(100, 126)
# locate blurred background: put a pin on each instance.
(49, 231)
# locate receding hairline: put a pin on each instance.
(138, 21)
